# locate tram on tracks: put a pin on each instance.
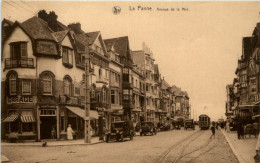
(204, 121)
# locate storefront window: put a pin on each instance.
(27, 127)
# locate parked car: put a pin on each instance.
(147, 127)
(188, 123)
(121, 130)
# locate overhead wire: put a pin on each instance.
(22, 7)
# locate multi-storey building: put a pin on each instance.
(116, 77)
(245, 95)
(121, 47)
(99, 80)
(42, 79)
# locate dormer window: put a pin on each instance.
(67, 56)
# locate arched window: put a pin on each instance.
(47, 84)
(67, 86)
(12, 84)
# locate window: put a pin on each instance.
(113, 100)
(147, 88)
(12, 84)
(125, 77)
(80, 59)
(67, 87)
(67, 56)
(104, 95)
(47, 84)
(26, 87)
(126, 94)
(93, 92)
(100, 72)
(125, 71)
(114, 97)
(18, 50)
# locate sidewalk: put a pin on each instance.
(94, 140)
(244, 149)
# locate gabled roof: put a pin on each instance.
(82, 42)
(92, 36)
(6, 29)
(38, 29)
(60, 35)
(120, 44)
(8, 21)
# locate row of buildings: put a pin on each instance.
(243, 95)
(43, 80)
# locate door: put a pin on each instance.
(47, 122)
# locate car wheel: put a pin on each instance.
(122, 137)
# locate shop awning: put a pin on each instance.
(11, 118)
(93, 114)
(27, 117)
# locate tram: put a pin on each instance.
(204, 121)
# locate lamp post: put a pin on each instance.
(87, 99)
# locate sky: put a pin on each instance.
(197, 48)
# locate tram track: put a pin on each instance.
(179, 146)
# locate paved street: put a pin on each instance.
(170, 146)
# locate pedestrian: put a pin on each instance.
(53, 133)
(217, 125)
(240, 130)
(212, 130)
(70, 133)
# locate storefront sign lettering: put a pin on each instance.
(20, 99)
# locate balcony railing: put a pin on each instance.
(19, 63)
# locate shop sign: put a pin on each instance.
(20, 99)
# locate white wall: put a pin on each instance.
(56, 66)
(18, 35)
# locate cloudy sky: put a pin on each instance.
(197, 48)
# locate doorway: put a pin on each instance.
(47, 122)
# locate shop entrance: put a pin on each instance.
(47, 122)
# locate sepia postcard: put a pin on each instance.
(130, 81)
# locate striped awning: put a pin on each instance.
(27, 117)
(11, 118)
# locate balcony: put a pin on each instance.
(19, 63)
(102, 79)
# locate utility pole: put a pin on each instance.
(87, 98)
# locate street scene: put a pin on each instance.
(145, 82)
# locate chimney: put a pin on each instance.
(43, 15)
(52, 21)
(76, 27)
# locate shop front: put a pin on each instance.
(19, 122)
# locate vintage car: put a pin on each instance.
(188, 123)
(121, 130)
(147, 127)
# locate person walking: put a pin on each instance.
(70, 133)
(53, 133)
(212, 130)
(240, 130)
